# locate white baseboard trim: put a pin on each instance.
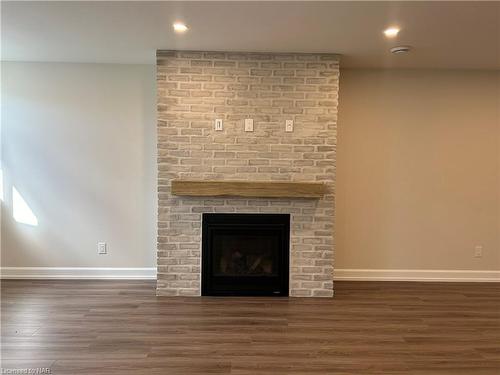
(77, 273)
(339, 274)
(415, 275)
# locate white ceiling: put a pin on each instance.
(443, 34)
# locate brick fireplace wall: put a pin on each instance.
(194, 89)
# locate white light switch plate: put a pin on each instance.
(289, 125)
(249, 125)
(218, 124)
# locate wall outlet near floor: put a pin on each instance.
(218, 125)
(249, 125)
(478, 251)
(102, 248)
(289, 126)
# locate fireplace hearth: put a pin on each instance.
(245, 254)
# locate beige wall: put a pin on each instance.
(79, 145)
(418, 170)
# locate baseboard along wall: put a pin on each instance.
(78, 273)
(149, 273)
(416, 275)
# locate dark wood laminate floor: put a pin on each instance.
(120, 327)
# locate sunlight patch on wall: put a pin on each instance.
(1, 185)
(21, 211)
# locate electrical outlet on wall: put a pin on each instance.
(289, 126)
(478, 251)
(102, 248)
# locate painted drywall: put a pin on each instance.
(418, 170)
(79, 145)
(417, 181)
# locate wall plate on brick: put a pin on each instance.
(249, 125)
(218, 124)
(289, 126)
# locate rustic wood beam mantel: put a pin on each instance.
(255, 189)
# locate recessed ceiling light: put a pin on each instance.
(400, 49)
(179, 27)
(391, 32)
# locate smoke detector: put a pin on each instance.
(400, 49)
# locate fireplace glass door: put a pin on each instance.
(245, 254)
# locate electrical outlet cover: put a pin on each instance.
(478, 251)
(102, 248)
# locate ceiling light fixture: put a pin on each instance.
(391, 32)
(400, 49)
(179, 27)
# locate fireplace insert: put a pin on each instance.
(245, 254)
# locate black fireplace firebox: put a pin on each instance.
(245, 254)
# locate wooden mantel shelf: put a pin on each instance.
(255, 189)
